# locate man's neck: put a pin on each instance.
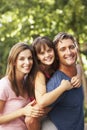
(69, 70)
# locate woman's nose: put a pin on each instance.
(27, 61)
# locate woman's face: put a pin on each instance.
(46, 55)
(24, 62)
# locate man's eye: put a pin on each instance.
(72, 47)
(62, 49)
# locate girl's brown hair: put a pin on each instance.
(37, 44)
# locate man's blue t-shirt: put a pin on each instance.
(67, 112)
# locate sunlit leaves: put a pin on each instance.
(26, 19)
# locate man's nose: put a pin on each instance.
(68, 51)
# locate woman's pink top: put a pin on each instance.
(12, 103)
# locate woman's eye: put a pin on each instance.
(30, 58)
(21, 59)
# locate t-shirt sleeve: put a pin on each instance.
(52, 84)
(3, 90)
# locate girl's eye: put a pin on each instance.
(41, 53)
(49, 50)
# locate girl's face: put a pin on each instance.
(24, 62)
(46, 55)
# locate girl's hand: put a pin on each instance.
(76, 81)
(66, 84)
(33, 110)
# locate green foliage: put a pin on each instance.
(26, 19)
(85, 113)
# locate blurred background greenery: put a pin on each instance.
(26, 19)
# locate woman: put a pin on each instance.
(46, 65)
(14, 90)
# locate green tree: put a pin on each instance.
(26, 19)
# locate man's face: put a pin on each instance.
(67, 52)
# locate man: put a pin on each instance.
(67, 111)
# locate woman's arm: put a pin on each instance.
(79, 70)
(2, 104)
(45, 99)
(77, 80)
(28, 110)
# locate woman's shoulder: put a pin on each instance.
(5, 79)
(4, 82)
(5, 88)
